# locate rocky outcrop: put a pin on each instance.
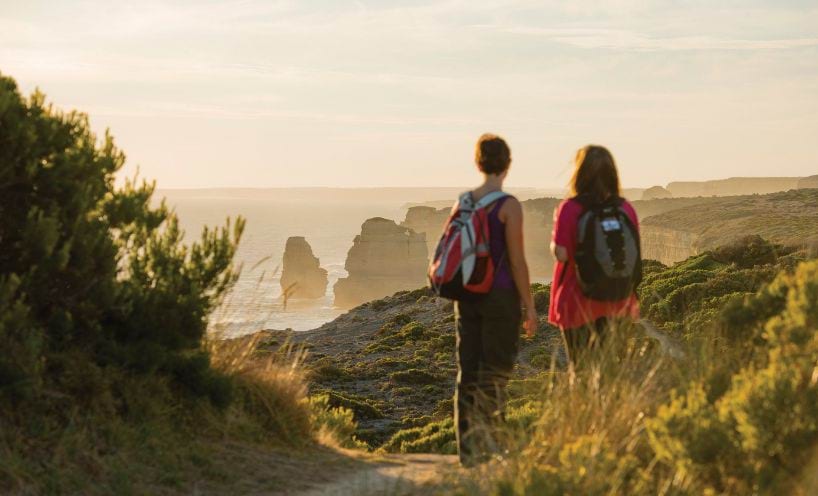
(656, 192)
(673, 229)
(538, 224)
(384, 258)
(302, 271)
(429, 221)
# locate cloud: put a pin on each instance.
(617, 39)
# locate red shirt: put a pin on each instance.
(569, 308)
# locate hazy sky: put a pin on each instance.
(364, 93)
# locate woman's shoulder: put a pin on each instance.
(630, 212)
(509, 205)
(568, 206)
(628, 207)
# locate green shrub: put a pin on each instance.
(413, 376)
(90, 267)
(400, 319)
(338, 422)
(435, 437)
(542, 297)
(326, 371)
(363, 409)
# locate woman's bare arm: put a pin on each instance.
(560, 253)
(512, 215)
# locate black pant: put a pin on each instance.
(581, 339)
(488, 333)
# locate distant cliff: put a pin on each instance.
(789, 218)
(384, 258)
(302, 273)
(733, 186)
(538, 224)
(810, 182)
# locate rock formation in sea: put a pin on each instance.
(539, 221)
(384, 259)
(303, 269)
(429, 221)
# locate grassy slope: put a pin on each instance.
(386, 361)
(392, 361)
(789, 217)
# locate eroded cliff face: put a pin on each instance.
(658, 243)
(538, 224)
(733, 186)
(302, 275)
(667, 245)
(384, 259)
(429, 221)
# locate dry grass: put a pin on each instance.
(590, 436)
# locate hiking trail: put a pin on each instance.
(393, 474)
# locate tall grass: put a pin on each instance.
(735, 414)
(589, 435)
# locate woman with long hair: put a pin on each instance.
(488, 328)
(582, 319)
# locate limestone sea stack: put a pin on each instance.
(539, 222)
(384, 259)
(303, 269)
(427, 220)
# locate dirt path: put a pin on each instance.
(392, 475)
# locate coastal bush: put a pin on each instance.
(542, 296)
(735, 416)
(690, 295)
(361, 407)
(413, 376)
(325, 370)
(107, 382)
(434, 437)
(336, 422)
(86, 268)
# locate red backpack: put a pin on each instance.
(462, 268)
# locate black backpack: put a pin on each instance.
(608, 257)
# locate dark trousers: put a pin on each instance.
(579, 340)
(488, 333)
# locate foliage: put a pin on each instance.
(413, 376)
(434, 437)
(542, 295)
(687, 297)
(91, 274)
(736, 415)
(338, 422)
(107, 383)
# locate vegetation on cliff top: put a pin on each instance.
(789, 218)
(391, 361)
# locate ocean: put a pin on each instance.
(328, 218)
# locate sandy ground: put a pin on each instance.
(393, 475)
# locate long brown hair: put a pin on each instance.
(595, 175)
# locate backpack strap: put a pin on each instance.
(490, 198)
